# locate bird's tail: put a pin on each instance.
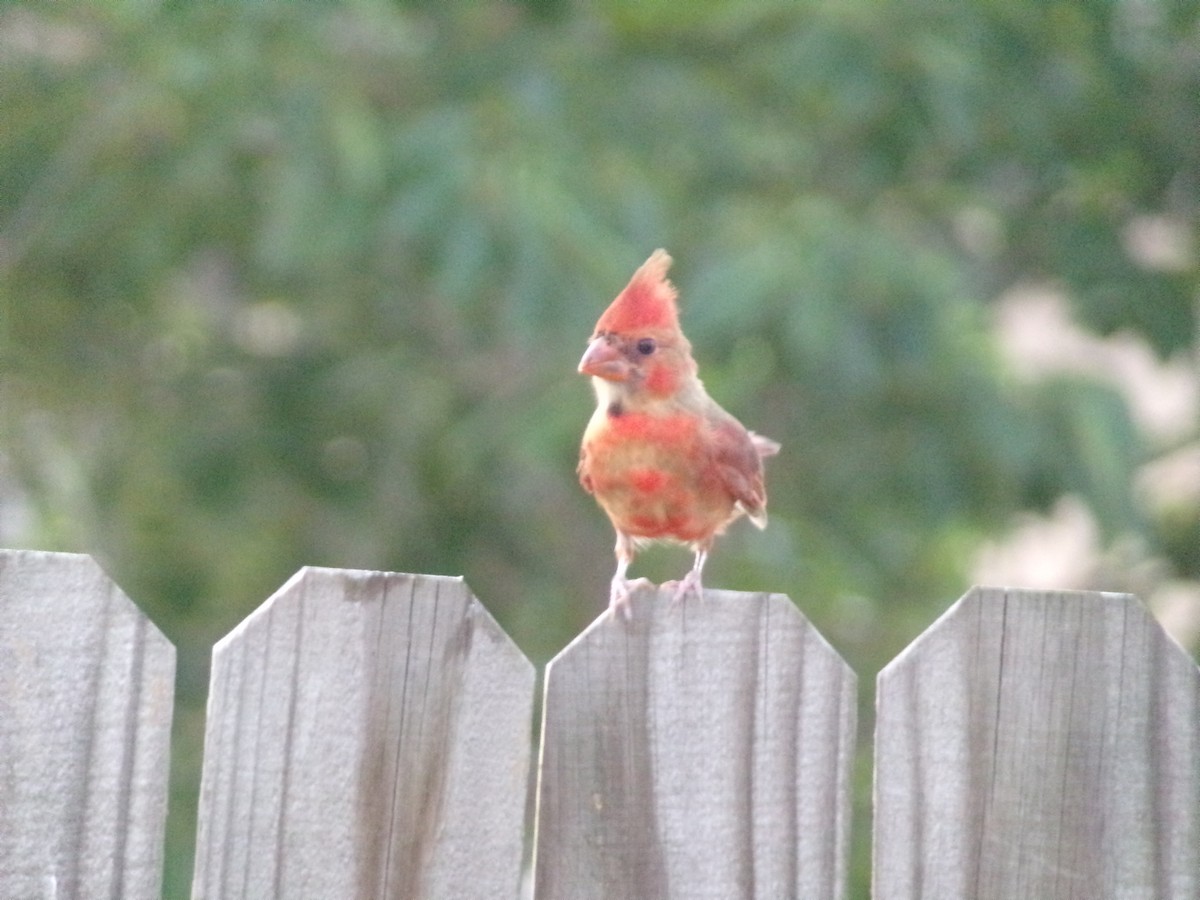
(764, 445)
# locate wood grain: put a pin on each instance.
(1039, 744)
(368, 736)
(86, 697)
(701, 750)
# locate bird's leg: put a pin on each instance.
(622, 588)
(690, 583)
(618, 594)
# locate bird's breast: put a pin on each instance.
(654, 474)
(622, 426)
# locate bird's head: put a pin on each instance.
(637, 343)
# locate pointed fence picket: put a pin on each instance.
(369, 735)
(700, 750)
(87, 688)
(1039, 744)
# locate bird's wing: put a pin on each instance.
(738, 460)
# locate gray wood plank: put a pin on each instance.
(86, 697)
(701, 750)
(368, 735)
(1039, 744)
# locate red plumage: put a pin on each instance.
(648, 301)
(662, 458)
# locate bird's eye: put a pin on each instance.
(646, 346)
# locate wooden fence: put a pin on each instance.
(368, 736)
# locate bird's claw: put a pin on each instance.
(688, 584)
(620, 593)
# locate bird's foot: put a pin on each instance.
(620, 593)
(688, 584)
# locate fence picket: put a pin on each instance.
(700, 750)
(1039, 744)
(86, 697)
(368, 736)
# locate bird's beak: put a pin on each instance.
(604, 359)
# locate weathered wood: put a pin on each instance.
(1039, 744)
(367, 736)
(86, 694)
(701, 750)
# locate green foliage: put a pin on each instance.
(288, 284)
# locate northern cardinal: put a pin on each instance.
(662, 458)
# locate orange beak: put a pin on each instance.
(603, 359)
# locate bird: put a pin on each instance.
(663, 459)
